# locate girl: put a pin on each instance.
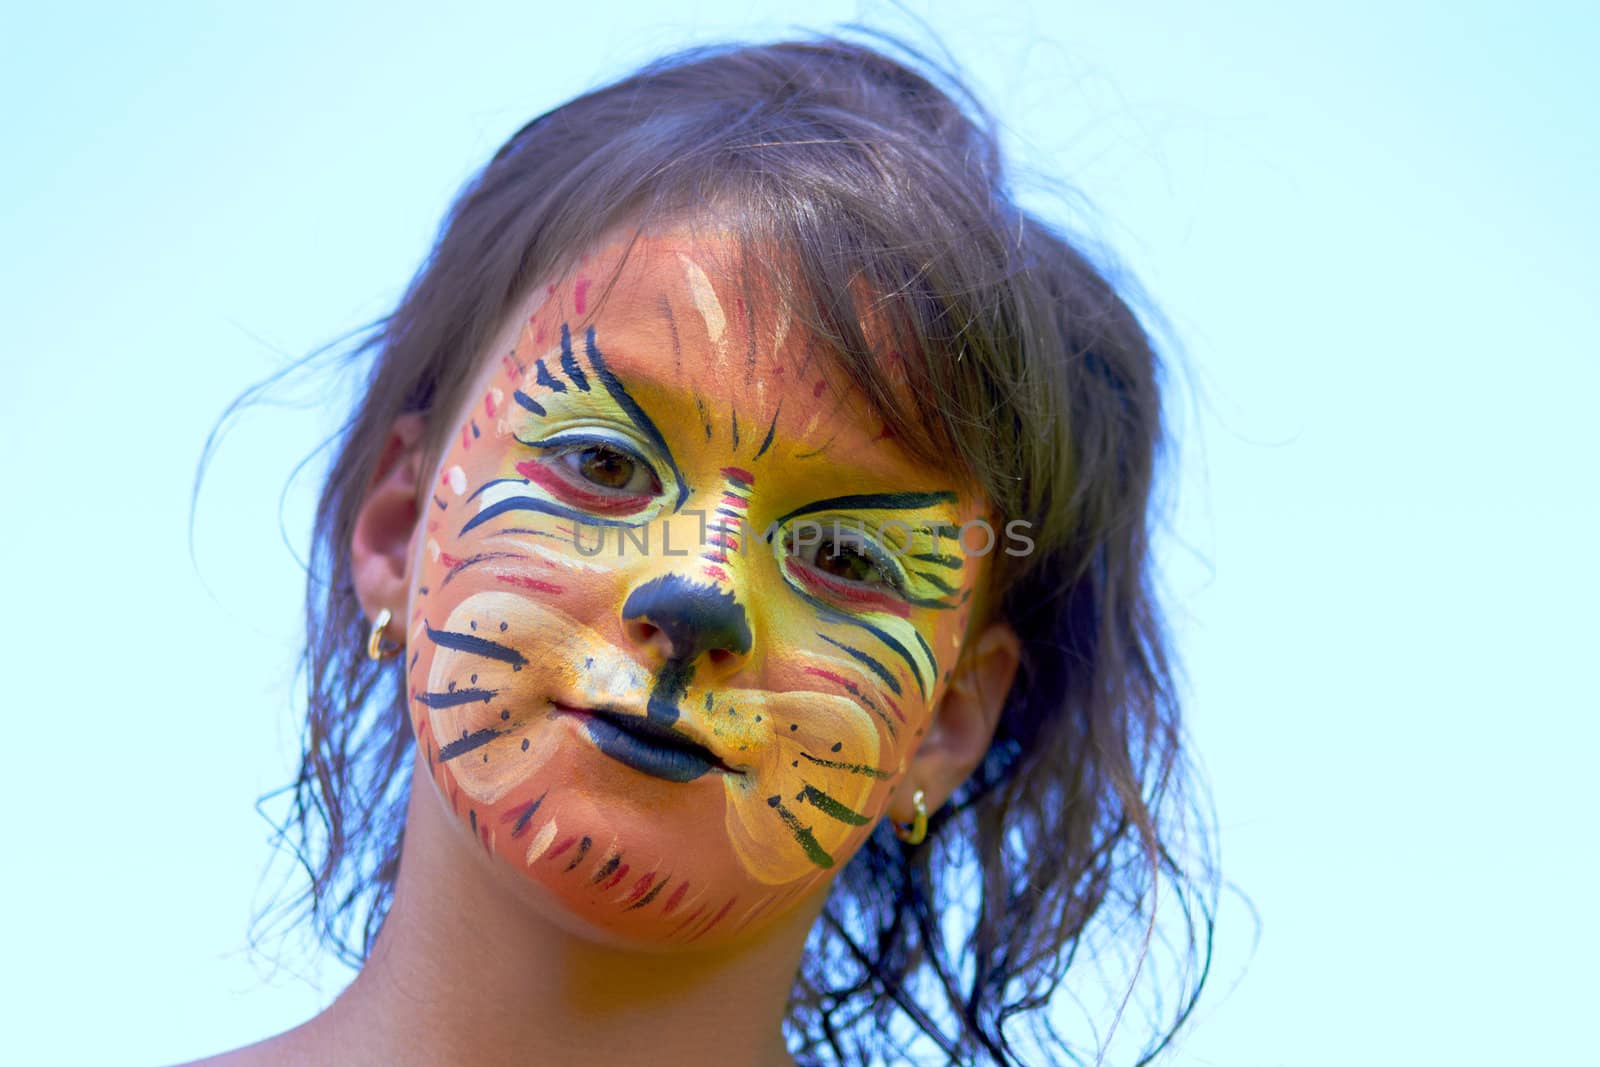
(731, 628)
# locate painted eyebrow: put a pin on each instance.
(872, 501)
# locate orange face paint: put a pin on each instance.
(682, 611)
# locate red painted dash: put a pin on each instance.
(887, 699)
(640, 888)
(707, 928)
(697, 913)
(676, 899)
(525, 582)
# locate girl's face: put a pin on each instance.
(681, 609)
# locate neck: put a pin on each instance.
(467, 969)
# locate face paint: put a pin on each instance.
(681, 612)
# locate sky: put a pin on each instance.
(1367, 230)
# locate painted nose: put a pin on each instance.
(687, 620)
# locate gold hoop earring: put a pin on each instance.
(377, 647)
(917, 832)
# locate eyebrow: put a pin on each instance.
(873, 502)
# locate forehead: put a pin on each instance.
(699, 340)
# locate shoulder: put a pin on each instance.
(310, 1044)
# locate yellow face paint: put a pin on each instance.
(682, 611)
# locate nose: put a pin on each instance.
(686, 621)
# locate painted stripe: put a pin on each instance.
(523, 581)
(644, 891)
(707, 927)
(569, 364)
(675, 899)
(456, 697)
(802, 834)
(854, 690)
(766, 442)
(832, 614)
(634, 412)
(474, 645)
(873, 502)
(543, 507)
(542, 375)
(933, 660)
(540, 842)
(705, 301)
(524, 817)
(605, 869)
(471, 741)
(482, 557)
(848, 768)
(935, 581)
(583, 850)
(832, 808)
(870, 663)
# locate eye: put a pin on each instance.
(610, 468)
(843, 556)
(596, 474)
(848, 562)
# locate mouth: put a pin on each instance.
(647, 747)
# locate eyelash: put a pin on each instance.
(892, 581)
(555, 473)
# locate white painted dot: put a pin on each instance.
(456, 479)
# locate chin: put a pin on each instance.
(623, 862)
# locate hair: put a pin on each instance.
(1027, 372)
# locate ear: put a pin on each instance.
(963, 721)
(380, 544)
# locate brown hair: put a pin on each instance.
(1029, 370)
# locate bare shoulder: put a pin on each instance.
(302, 1045)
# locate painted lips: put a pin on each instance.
(647, 747)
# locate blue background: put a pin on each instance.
(1371, 228)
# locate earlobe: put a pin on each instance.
(380, 543)
(964, 719)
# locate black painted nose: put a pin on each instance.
(695, 618)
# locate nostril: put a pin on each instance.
(720, 657)
(640, 632)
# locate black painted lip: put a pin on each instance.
(647, 746)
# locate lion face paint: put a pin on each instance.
(680, 613)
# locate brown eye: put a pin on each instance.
(603, 466)
(844, 560)
(842, 556)
(611, 469)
